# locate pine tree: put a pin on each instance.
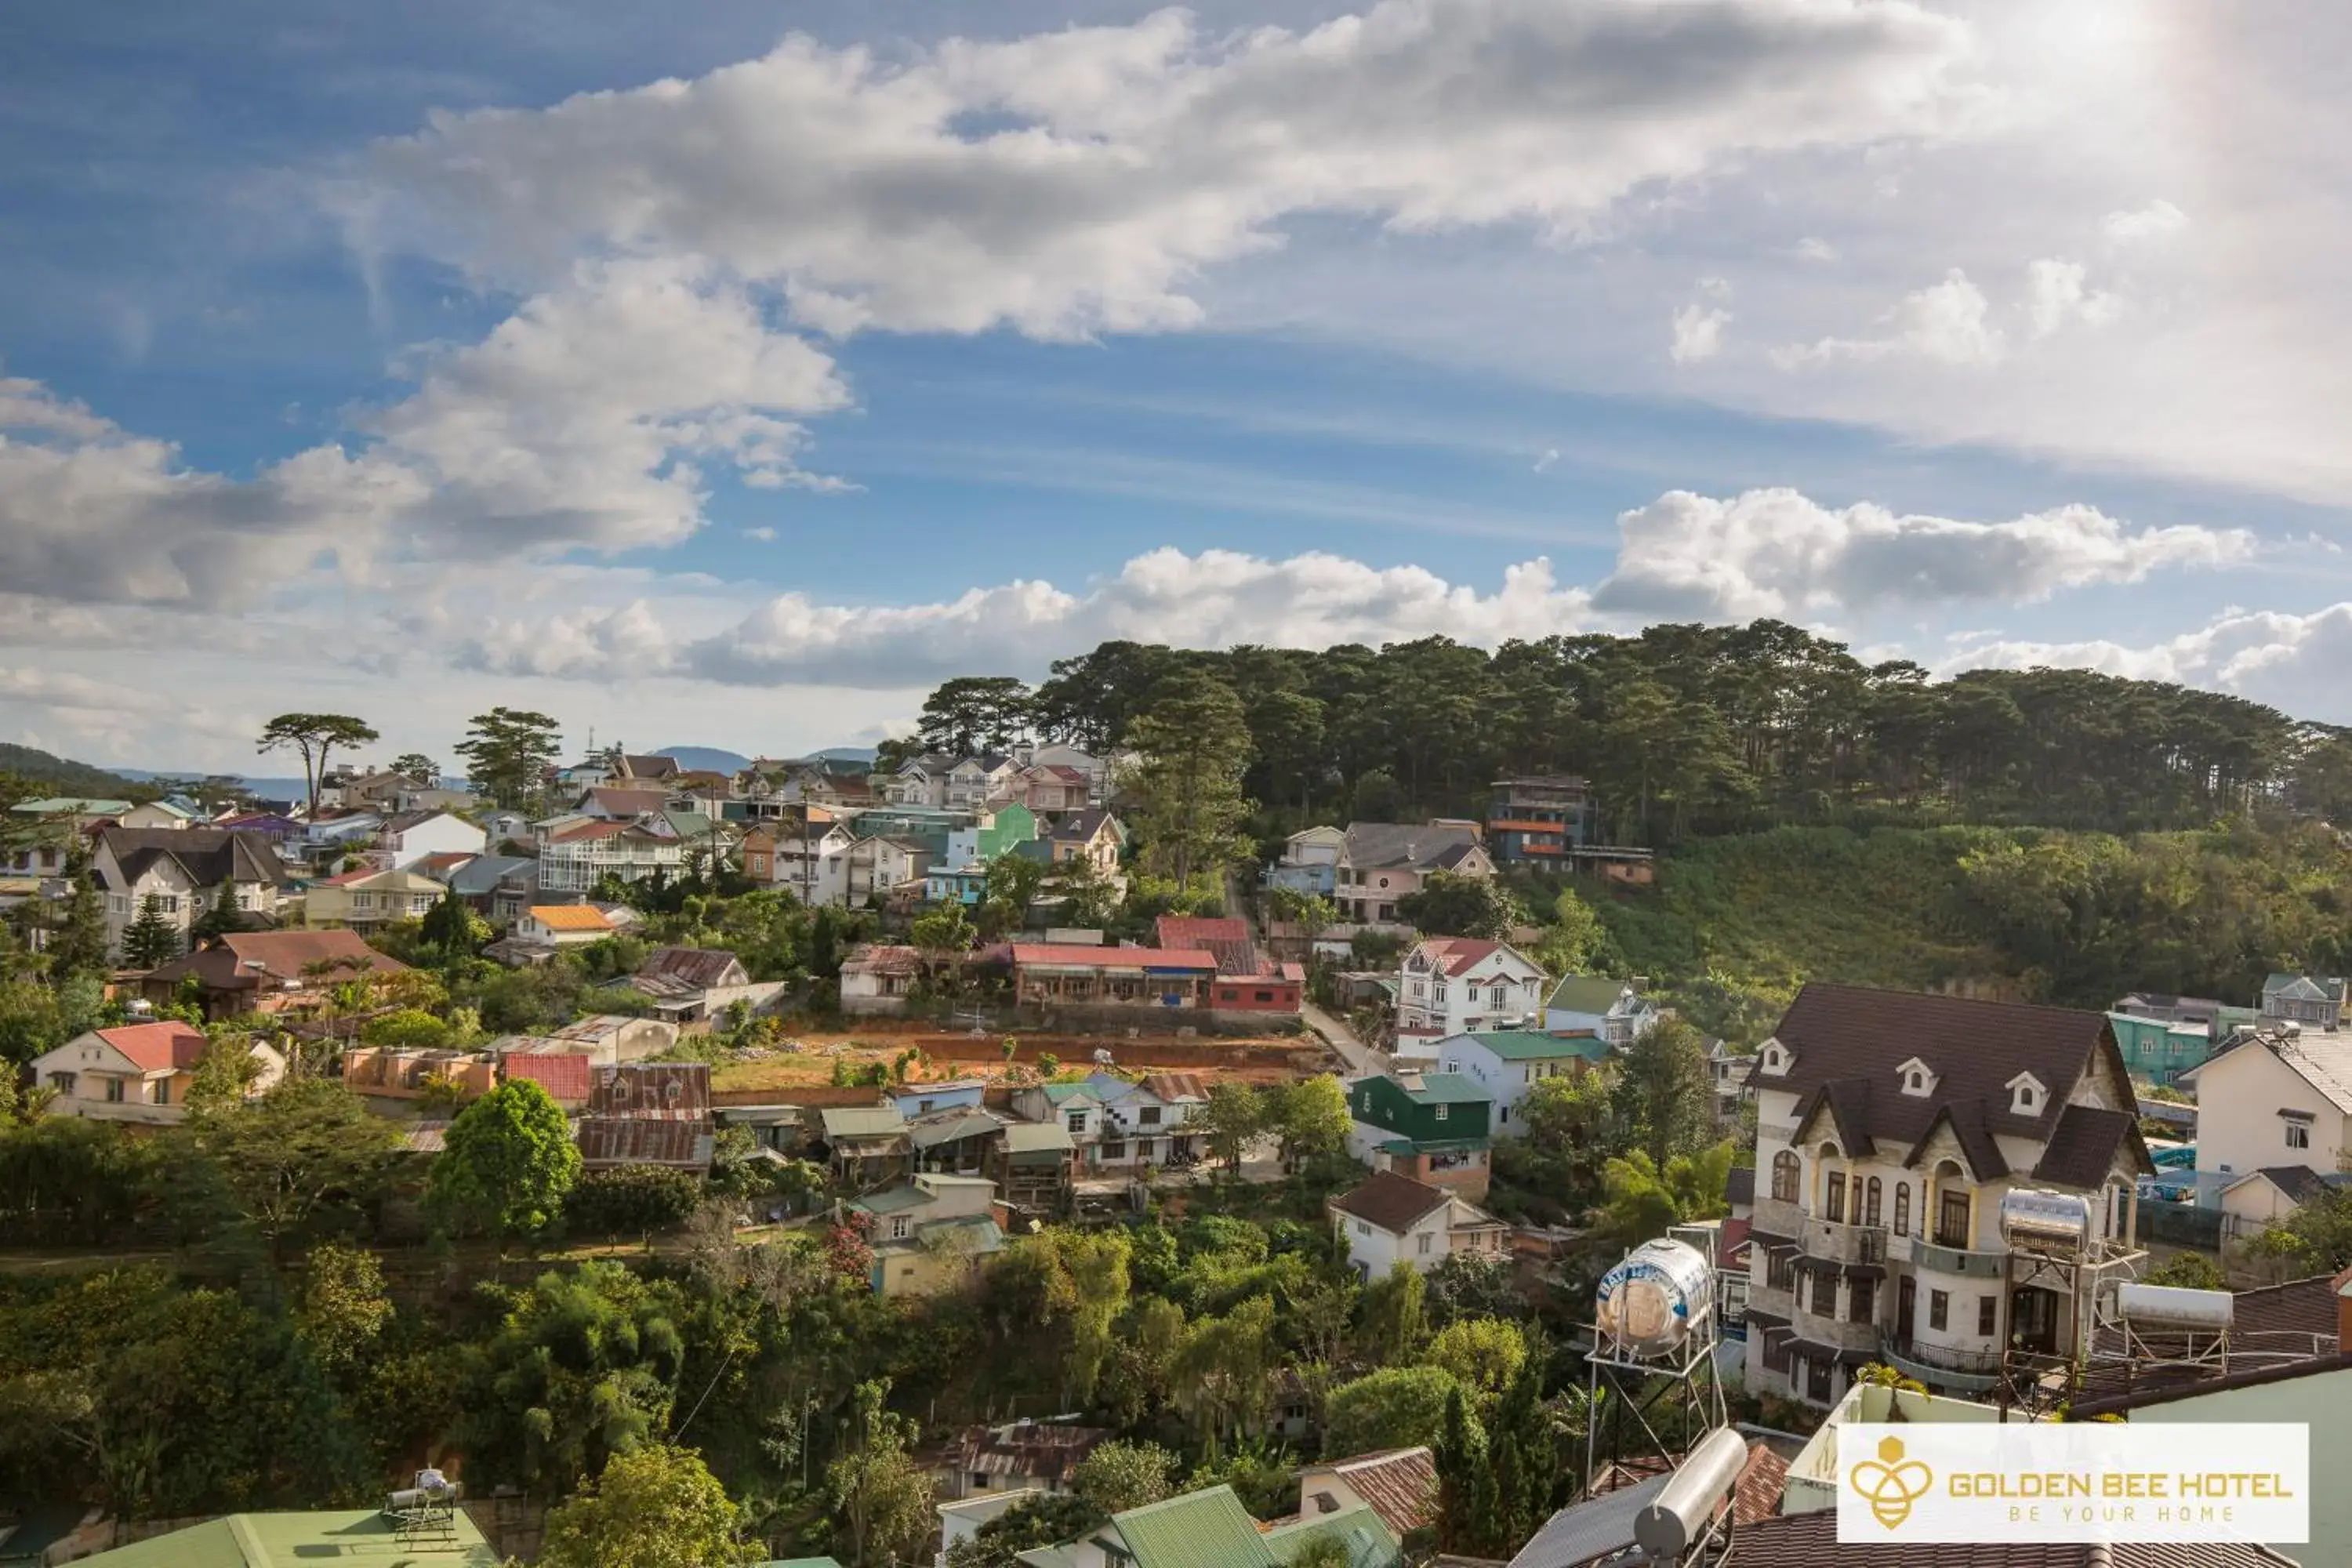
(1465, 1485)
(223, 917)
(151, 940)
(1523, 1459)
(78, 945)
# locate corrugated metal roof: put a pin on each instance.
(862, 1121)
(1036, 1138)
(1200, 1529)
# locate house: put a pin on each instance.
(2163, 1007)
(2275, 1096)
(1729, 1071)
(329, 840)
(1097, 770)
(1890, 1127)
(75, 811)
(1537, 819)
(563, 925)
(1382, 862)
(634, 766)
(1456, 984)
(157, 814)
(567, 1075)
(1400, 1485)
(2254, 1202)
(269, 971)
(866, 1146)
(1116, 1124)
(1092, 835)
(920, 781)
(930, 1234)
(498, 887)
(184, 869)
(1509, 1063)
(134, 1072)
(1433, 1127)
(612, 1038)
(1033, 1164)
(408, 837)
(1054, 787)
(276, 826)
(386, 1072)
(922, 1099)
(313, 1540)
(622, 803)
(1247, 981)
(1310, 863)
(808, 851)
(505, 828)
(974, 781)
(576, 852)
(953, 1140)
(1064, 978)
(2315, 1002)
(996, 829)
(648, 1113)
(362, 789)
(361, 899)
(1017, 1456)
(1592, 1004)
(1387, 1219)
(879, 978)
(2159, 1050)
(699, 984)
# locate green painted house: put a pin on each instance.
(2159, 1051)
(1436, 1127)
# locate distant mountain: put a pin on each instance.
(847, 754)
(70, 778)
(704, 759)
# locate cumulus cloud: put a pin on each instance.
(1213, 599)
(1544, 463)
(1698, 333)
(2292, 662)
(1949, 323)
(2157, 222)
(2056, 294)
(1776, 553)
(1072, 182)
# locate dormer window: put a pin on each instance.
(1773, 1060)
(1918, 1080)
(2026, 1095)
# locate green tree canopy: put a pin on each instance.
(1450, 905)
(658, 1507)
(1395, 1407)
(506, 752)
(507, 1162)
(314, 737)
(1192, 745)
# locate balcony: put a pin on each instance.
(1775, 1218)
(1828, 1239)
(1964, 1372)
(1835, 1331)
(1960, 1260)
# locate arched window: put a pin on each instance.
(1870, 1202)
(1786, 1172)
(1901, 1208)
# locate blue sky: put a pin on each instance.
(405, 360)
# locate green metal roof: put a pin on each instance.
(1446, 1089)
(1200, 1529)
(892, 1200)
(1535, 1045)
(58, 806)
(862, 1120)
(1036, 1137)
(1055, 1093)
(1586, 994)
(293, 1540)
(1368, 1542)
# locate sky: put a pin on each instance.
(730, 374)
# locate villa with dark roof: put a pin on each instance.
(184, 869)
(1890, 1127)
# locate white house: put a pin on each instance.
(409, 837)
(2279, 1095)
(1456, 984)
(1509, 1063)
(1608, 1009)
(1388, 1219)
(137, 1073)
(1116, 1123)
(564, 925)
(576, 851)
(974, 781)
(182, 868)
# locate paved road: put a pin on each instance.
(1361, 1057)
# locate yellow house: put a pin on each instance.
(138, 1073)
(931, 1233)
(363, 899)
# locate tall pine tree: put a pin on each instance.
(151, 940)
(78, 945)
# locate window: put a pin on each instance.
(1786, 1172)
(163, 1092)
(1863, 1306)
(1901, 1208)
(1078, 1120)
(1423, 1239)
(2026, 1094)
(1952, 1220)
(1149, 1116)
(1114, 1149)
(1779, 1270)
(980, 1480)
(1836, 1205)
(1363, 1228)
(2298, 1135)
(1870, 1202)
(1939, 1307)
(898, 1227)
(63, 1082)
(1440, 1113)
(1264, 995)
(114, 1090)
(1988, 1307)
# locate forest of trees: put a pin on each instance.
(1688, 730)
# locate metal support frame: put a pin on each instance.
(1622, 1392)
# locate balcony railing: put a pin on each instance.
(1844, 1243)
(1968, 1371)
(1960, 1260)
(1776, 1216)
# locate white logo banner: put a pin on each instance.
(2092, 1480)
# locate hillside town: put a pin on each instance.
(1009, 1161)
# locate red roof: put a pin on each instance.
(1460, 953)
(1073, 955)
(1201, 931)
(564, 1075)
(157, 1048)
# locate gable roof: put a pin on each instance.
(572, 917)
(1536, 1046)
(250, 959)
(2302, 988)
(702, 967)
(1400, 1484)
(667, 1090)
(564, 1075)
(2083, 1146)
(483, 873)
(210, 856)
(1413, 847)
(2298, 1307)
(2322, 1060)
(1856, 1039)
(1173, 1087)
(1393, 1202)
(1199, 1530)
(292, 1539)
(156, 1047)
(862, 1121)
(1080, 826)
(1441, 1088)
(402, 821)
(1228, 937)
(1595, 994)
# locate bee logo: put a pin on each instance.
(1891, 1482)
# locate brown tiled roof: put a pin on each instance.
(1845, 1035)
(244, 960)
(2297, 1307)
(1228, 937)
(1390, 1201)
(1761, 1481)
(2083, 1146)
(1400, 1484)
(156, 1047)
(876, 957)
(1810, 1540)
(564, 1074)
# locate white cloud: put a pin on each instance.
(2159, 220)
(1544, 463)
(1947, 322)
(762, 535)
(1776, 553)
(1075, 182)
(2292, 662)
(1813, 247)
(2056, 294)
(1698, 333)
